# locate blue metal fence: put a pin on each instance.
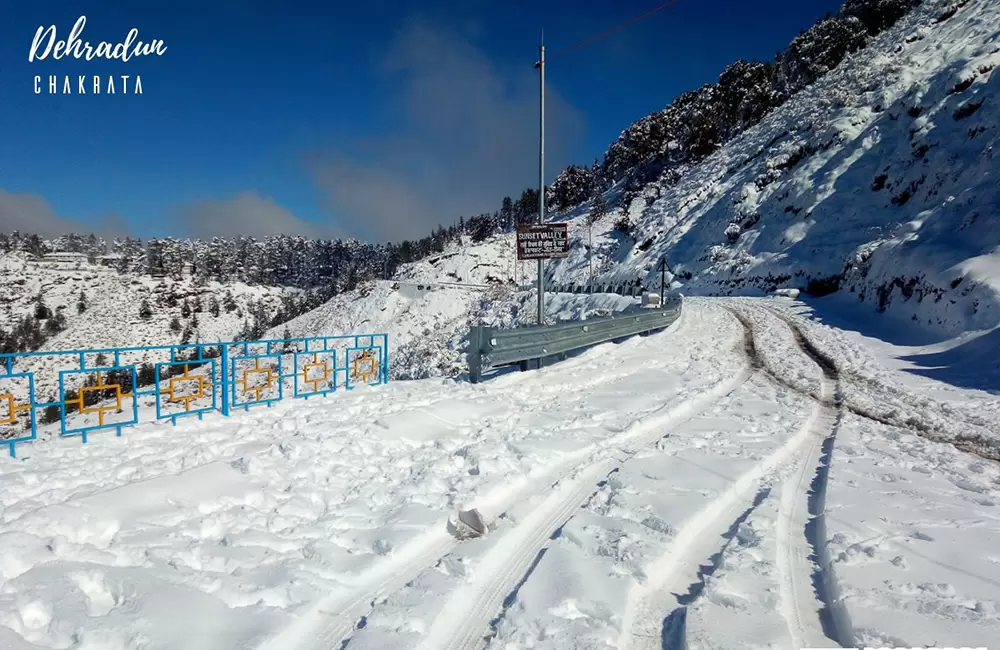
(108, 389)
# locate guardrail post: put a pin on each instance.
(475, 354)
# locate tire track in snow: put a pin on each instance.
(330, 623)
(643, 620)
(464, 620)
(674, 632)
(896, 416)
(801, 497)
(801, 527)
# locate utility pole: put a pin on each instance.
(663, 274)
(590, 250)
(541, 171)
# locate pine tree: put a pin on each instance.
(507, 213)
(598, 207)
(51, 414)
(145, 311)
(213, 307)
(55, 324)
(146, 374)
(175, 324)
(81, 303)
(41, 310)
(185, 309)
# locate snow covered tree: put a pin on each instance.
(175, 324)
(573, 186)
(145, 311)
(877, 15)
(481, 227)
(41, 310)
(507, 213)
(817, 51)
(624, 224)
(81, 303)
(746, 94)
(598, 208)
(146, 375)
(55, 324)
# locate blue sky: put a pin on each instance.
(374, 120)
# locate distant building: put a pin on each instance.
(109, 260)
(63, 258)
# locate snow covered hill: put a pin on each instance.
(880, 180)
(112, 312)
(427, 317)
(112, 301)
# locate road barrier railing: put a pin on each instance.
(492, 347)
(78, 392)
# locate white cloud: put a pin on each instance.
(31, 213)
(469, 135)
(248, 214)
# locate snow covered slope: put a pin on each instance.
(179, 311)
(111, 317)
(880, 180)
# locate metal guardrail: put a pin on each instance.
(492, 347)
(620, 288)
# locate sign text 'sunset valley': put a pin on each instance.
(542, 241)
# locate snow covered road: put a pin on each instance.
(730, 483)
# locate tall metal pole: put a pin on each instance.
(541, 171)
(590, 250)
(663, 285)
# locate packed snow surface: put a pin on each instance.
(714, 485)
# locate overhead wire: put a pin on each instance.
(608, 32)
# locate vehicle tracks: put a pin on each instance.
(464, 622)
(809, 596)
